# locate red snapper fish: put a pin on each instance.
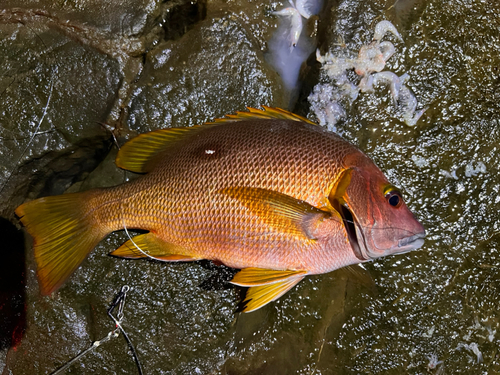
(265, 191)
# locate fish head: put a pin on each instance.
(376, 218)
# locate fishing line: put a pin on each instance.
(133, 242)
(3, 92)
(22, 138)
(95, 345)
(35, 133)
(107, 128)
(118, 302)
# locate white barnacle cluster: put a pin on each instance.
(473, 348)
(483, 332)
(298, 10)
(368, 65)
(434, 362)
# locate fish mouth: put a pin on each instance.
(411, 243)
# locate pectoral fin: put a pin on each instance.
(260, 276)
(148, 245)
(258, 296)
(280, 211)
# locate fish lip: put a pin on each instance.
(408, 240)
(412, 242)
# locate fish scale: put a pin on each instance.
(266, 147)
(267, 191)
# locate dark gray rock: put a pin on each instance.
(55, 93)
(214, 69)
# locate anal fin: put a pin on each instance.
(258, 296)
(261, 276)
(265, 285)
(148, 245)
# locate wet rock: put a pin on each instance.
(294, 334)
(157, 313)
(55, 93)
(119, 18)
(421, 310)
(213, 70)
(52, 173)
(180, 16)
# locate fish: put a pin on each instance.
(265, 191)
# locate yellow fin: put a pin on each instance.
(141, 153)
(267, 113)
(281, 211)
(261, 276)
(63, 236)
(258, 296)
(153, 246)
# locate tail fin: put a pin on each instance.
(64, 234)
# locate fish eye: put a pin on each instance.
(394, 198)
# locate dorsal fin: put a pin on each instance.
(267, 113)
(141, 153)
